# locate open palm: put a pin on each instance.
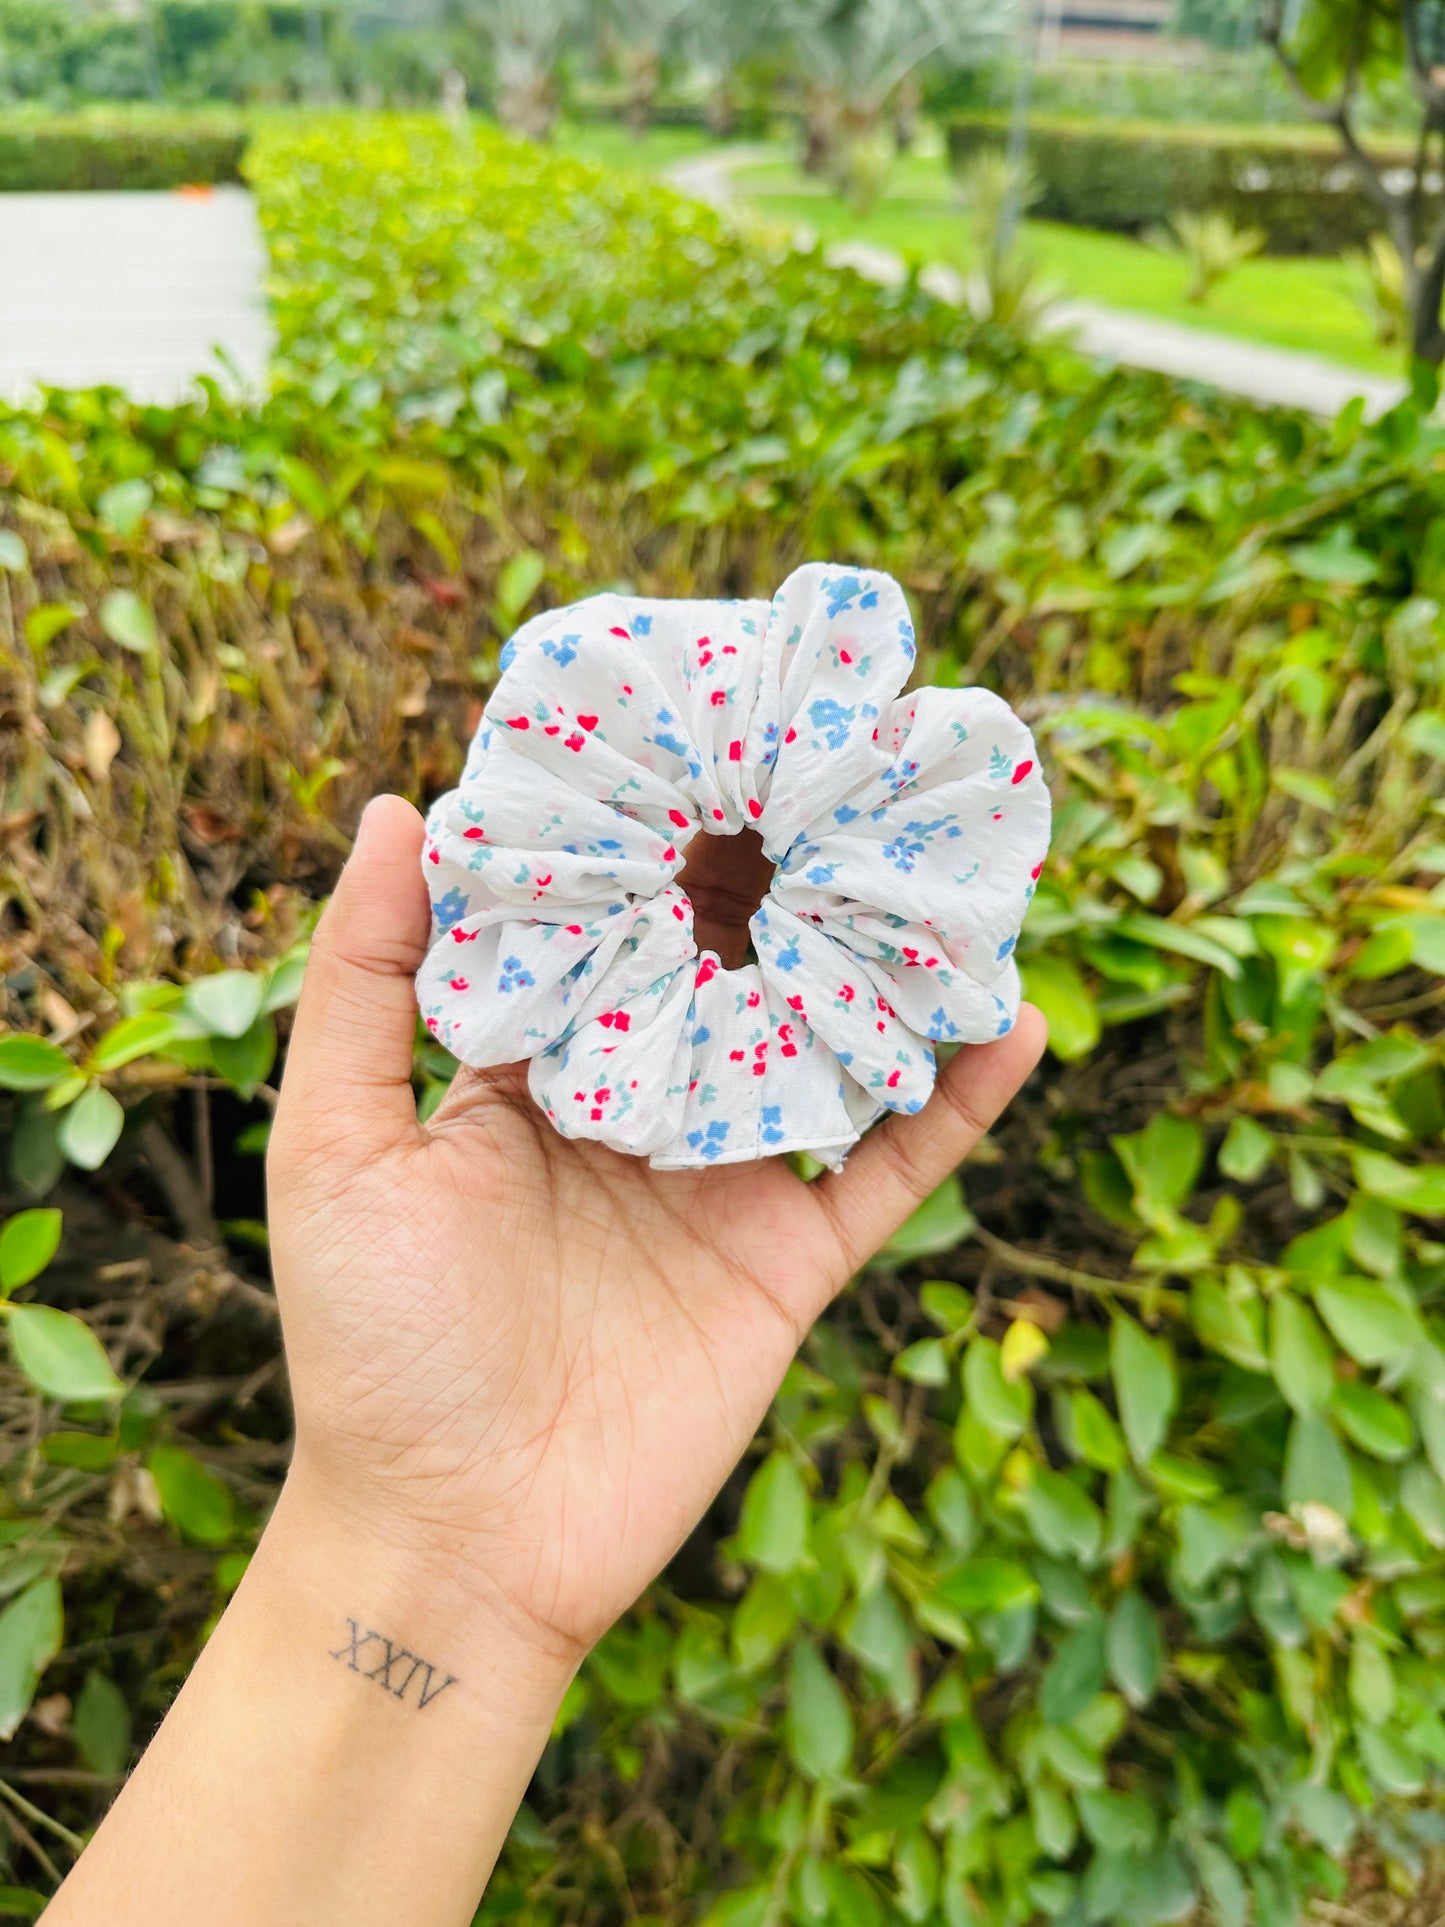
(537, 1358)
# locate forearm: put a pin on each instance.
(351, 1746)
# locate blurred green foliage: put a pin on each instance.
(59, 52)
(1092, 1563)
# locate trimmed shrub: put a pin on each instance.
(76, 151)
(1246, 89)
(1292, 183)
(1091, 1564)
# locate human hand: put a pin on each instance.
(521, 1369)
(528, 1363)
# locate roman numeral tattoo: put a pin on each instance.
(387, 1664)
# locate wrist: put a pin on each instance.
(381, 1586)
(352, 1745)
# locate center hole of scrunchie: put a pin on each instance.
(726, 877)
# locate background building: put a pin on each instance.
(1110, 30)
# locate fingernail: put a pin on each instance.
(361, 828)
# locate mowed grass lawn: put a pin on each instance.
(1301, 304)
(614, 146)
(1308, 305)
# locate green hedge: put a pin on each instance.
(1091, 1563)
(1241, 90)
(1292, 183)
(70, 152)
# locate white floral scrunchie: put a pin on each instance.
(908, 833)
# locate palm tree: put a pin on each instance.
(857, 54)
(645, 28)
(527, 38)
(721, 42)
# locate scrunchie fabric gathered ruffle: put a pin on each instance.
(907, 832)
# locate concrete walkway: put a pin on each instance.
(1276, 377)
(137, 290)
(709, 176)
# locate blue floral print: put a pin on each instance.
(448, 910)
(709, 1143)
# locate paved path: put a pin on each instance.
(134, 289)
(708, 176)
(1278, 377)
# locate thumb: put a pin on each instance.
(348, 1069)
